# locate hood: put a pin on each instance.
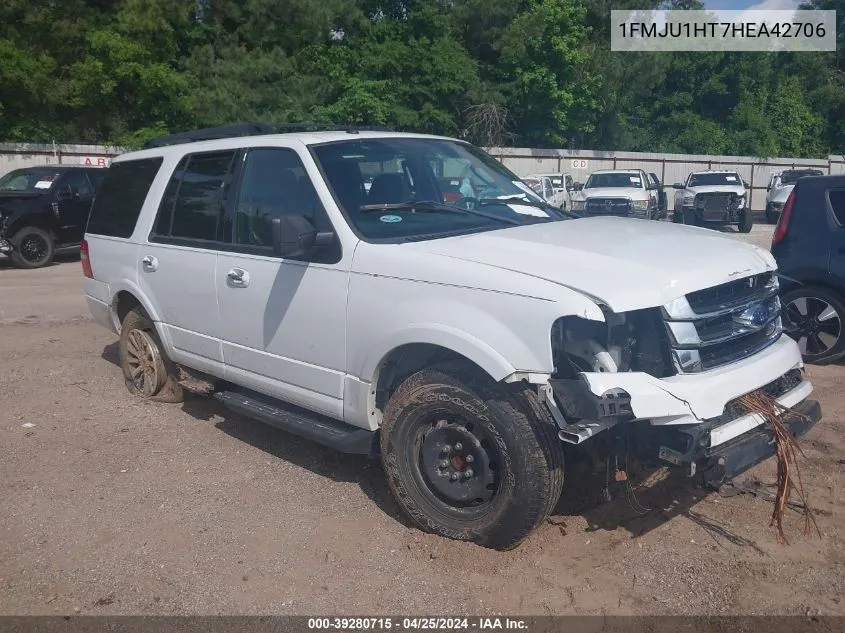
(612, 192)
(624, 263)
(782, 193)
(737, 189)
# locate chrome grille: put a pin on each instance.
(724, 324)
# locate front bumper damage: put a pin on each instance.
(689, 421)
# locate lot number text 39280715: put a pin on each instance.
(415, 624)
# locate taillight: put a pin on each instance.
(783, 220)
(86, 262)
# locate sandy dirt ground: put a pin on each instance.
(110, 505)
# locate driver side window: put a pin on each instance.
(273, 184)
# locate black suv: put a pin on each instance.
(809, 246)
(44, 208)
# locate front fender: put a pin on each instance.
(502, 333)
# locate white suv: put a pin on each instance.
(464, 341)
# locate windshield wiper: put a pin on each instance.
(433, 207)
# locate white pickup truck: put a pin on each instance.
(713, 198)
(627, 193)
(465, 342)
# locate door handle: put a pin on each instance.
(238, 277)
(150, 263)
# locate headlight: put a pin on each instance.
(688, 199)
(741, 202)
(577, 205)
(641, 204)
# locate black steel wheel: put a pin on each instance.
(813, 317)
(32, 248)
(470, 459)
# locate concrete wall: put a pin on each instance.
(670, 168)
(17, 155)
(523, 161)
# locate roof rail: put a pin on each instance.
(251, 129)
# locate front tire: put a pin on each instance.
(469, 459)
(746, 221)
(147, 370)
(813, 316)
(770, 215)
(32, 247)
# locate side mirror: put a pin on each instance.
(679, 185)
(295, 236)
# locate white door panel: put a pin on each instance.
(283, 328)
(180, 283)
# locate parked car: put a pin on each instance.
(562, 184)
(780, 185)
(662, 201)
(809, 247)
(620, 192)
(43, 209)
(464, 344)
(542, 186)
(713, 198)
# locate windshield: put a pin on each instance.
(628, 179)
(459, 187)
(28, 180)
(791, 177)
(703, 180)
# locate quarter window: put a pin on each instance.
(120, 198)
(837, 204)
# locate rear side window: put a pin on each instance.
(193, 202)
(118, 203)
(837, 204)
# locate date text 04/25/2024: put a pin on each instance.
(416, 624)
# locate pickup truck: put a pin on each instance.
(625, 193)
(713, 198)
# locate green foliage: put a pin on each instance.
(530, 72)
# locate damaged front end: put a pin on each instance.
(669, 379)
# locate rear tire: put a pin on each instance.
(32, 247)
(470, 459)
(814, 316)
(746, 221)
(147, 370)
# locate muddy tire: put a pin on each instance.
(32, 248)
(147, 370)
(746, 221)
(470, 459)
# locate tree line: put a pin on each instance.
(532, 73)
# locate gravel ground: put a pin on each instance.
(111, 505)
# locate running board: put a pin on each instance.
(339, 436)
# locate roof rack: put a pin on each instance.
(252, 129)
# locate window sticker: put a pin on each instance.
(43, 184)
(730, 178)
(390, 219)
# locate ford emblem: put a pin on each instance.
(754, 316)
